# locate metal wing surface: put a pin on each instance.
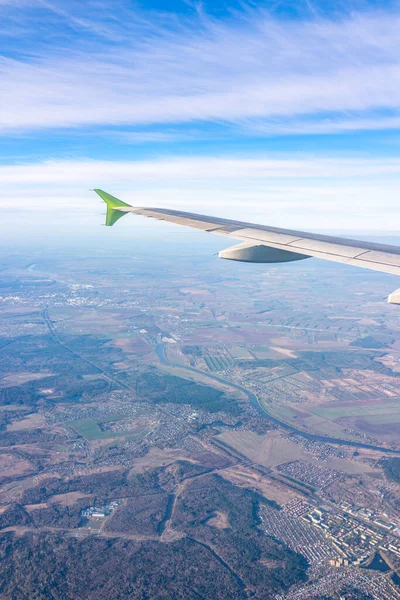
(261, 243)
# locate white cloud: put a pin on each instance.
(193, 169)
(323, 126)
(257, 68)
(307, 193)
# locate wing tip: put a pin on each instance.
(113, 204)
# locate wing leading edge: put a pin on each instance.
(264, 244)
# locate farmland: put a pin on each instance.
(90, 429)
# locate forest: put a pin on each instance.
(43, 566)
(168, 388)
(391, 466)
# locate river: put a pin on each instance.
(160, 349)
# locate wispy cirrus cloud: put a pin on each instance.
(327, 124)
(249, 70)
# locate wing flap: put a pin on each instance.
(382, 258)
(325, 248)
(266, 236)
(360, 253)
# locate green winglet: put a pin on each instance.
(113, 214)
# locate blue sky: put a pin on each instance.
(285, 112)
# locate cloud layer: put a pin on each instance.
(308, 193)
(97, 75)
(253, 70)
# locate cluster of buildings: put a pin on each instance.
(100, 512)
(317, 477)
(352, 540)
(334, 540)
(320, 450)
(335, 544)
(296, 533)
(330, 582)
(355, 533)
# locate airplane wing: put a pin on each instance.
(264, 244)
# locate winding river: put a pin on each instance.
(160, 349)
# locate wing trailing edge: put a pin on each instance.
(264, 244)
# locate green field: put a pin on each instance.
(90, 430)
(281, 412)
(240, 353)
(383, 419)
(324, 420)
(378, 414)
(261, 352)
(216, 362)
(312, 424)
(337, 413)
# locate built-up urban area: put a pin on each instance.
(238, 426)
